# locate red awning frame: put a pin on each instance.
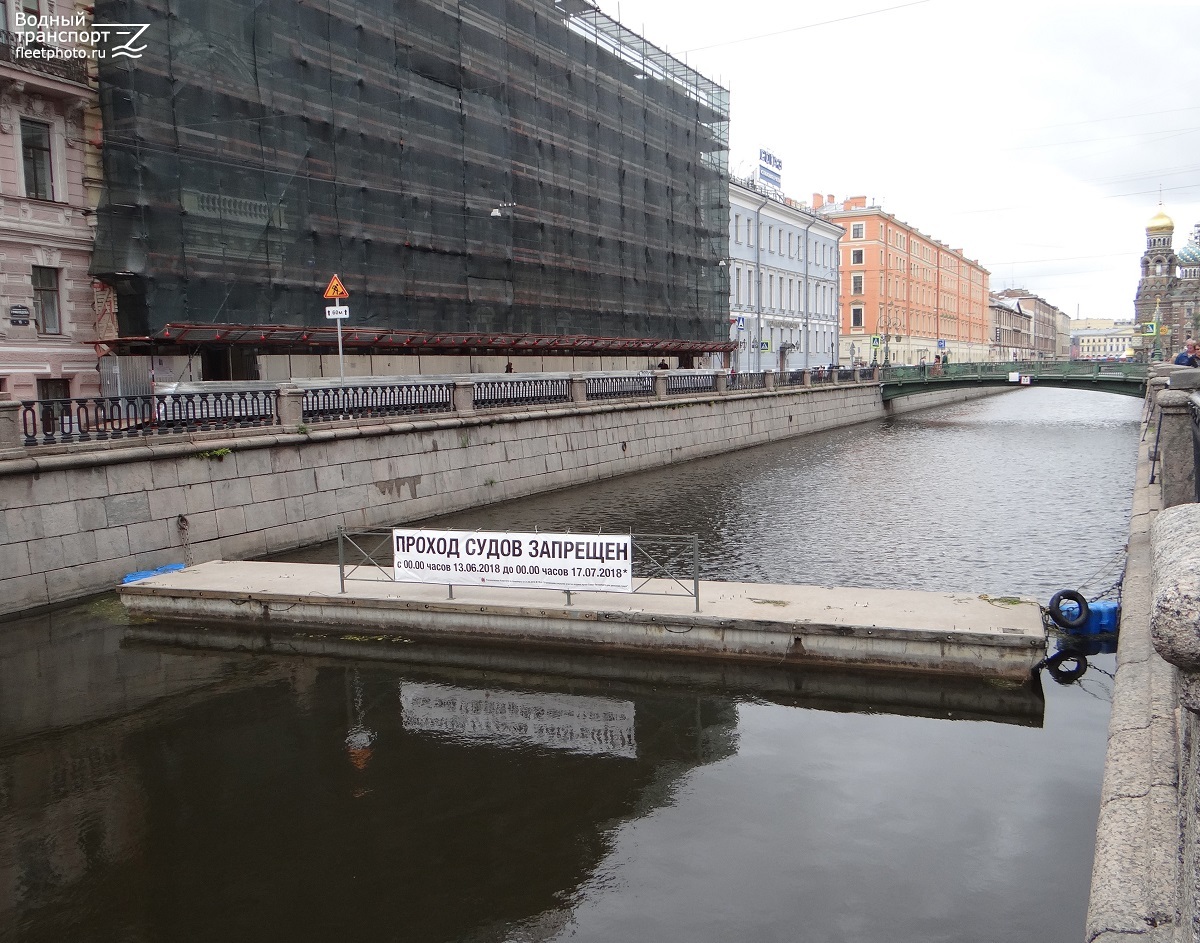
(281, 338)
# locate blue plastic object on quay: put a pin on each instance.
(145, 574)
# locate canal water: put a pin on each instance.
(149, 793)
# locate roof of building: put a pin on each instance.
(1013, 304)
(1189, 254)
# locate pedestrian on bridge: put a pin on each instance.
(1188, 356)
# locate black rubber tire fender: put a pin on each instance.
(1056, 613)
(1054, 665)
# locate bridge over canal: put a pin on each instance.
(1126, 379)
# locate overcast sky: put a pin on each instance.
(1032, 135)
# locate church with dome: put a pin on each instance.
(1168, 290)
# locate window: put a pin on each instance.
(770, 236)
(35, 151)
(789, 245)
(856, 256)
(737, 227)
(856, 316)
(749, 232)
(856, 284)
(856, 230)
(45, 300)
(737, 282)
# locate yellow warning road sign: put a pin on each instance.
(336, 289)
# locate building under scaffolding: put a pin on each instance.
(482, 175)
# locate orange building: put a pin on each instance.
(919, 297)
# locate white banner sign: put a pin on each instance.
(576, 562)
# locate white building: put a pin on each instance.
(783, 281)
(1119, 342)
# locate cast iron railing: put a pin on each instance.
(493, 394)
(328, 404)
(681, 384)
(628, 387)
(64, 421)
(747, 381)
(73, 69)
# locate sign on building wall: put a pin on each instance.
(770, 169)
(576, 562)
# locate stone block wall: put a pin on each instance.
(75, 522)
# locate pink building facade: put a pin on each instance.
(49, 335)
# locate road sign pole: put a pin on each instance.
(335, 291)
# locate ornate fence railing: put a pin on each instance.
(492, 394)
(225, 405)
(41, 58)
(747, 381)
(619, 387)
(679, 384)
(330, 404)
(65, 421)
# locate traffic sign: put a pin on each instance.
(335, 289)
(1164, 330)
(337, 312)
(741, 322)
(1148, 329)
(875, 341)
(941, 343)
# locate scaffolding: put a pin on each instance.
(481, 167)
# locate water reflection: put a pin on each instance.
(314, 800)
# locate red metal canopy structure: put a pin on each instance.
(282, 338)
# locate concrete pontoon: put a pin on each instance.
(851, 627)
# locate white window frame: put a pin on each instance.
(58, 170)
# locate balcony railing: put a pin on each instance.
(11, 45)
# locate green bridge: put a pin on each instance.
(1127, 379)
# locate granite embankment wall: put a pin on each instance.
(1146, 876)
(75, 519)
(75, 522)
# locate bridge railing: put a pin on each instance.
(1079, 369)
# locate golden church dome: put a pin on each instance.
(1160, 223)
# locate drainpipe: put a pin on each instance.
(807, 336)
(758, 284)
